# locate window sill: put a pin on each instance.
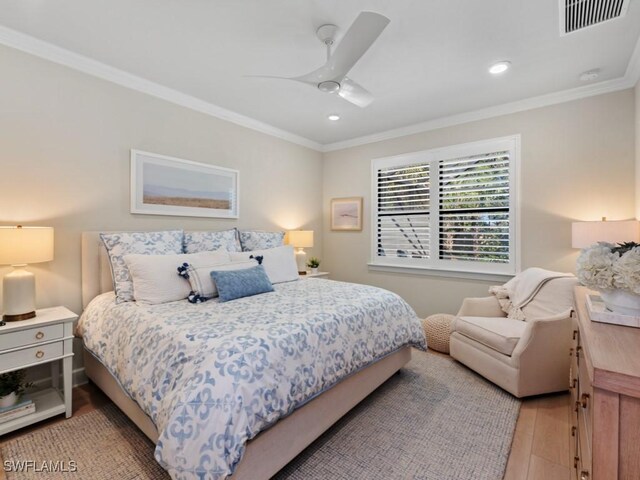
(432, 272)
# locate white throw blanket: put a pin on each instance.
(521, 289)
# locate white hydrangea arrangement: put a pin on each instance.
(605, 266)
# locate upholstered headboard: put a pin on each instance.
(96, 271)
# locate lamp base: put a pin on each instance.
(17, 318)
(301, 260)
(19, 293)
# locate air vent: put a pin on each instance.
(578, 14)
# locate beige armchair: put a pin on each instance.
(525, 358)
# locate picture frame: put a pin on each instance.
(163, 185)
(346, 214)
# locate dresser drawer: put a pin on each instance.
(31, 336)
(573, 366)
(585, 396)
(583, 470)
(26, 356)
(574, 379)
(573, 444)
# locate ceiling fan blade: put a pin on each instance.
(294, 79)
(355, 93)
(366, 28)
(269, 76)
(332, 76)
(360, 36)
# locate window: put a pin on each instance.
(449, 209)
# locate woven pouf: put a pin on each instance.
(437, 329)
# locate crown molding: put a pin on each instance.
(48, 51)
(633, 69)
(600, 88)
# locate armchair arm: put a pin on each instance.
(481, 307)
(546, 340)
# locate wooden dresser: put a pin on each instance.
(605, 392)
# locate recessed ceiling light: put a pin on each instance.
(334, 117)
(590, 75)
(500, 67)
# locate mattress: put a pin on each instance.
(212, 376)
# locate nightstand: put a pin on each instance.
(315, 275)
(47, 338)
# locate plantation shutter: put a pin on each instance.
(474, 208)
(403, 212)
(450, 208)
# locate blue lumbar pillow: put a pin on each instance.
(234, 284)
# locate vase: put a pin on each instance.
(314, 271)
(621, 301)
(8, 400)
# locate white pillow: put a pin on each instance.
(199, 271)
(119, 244)
(279, 262)
(155, 277)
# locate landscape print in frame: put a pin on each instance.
(162, 185)
(346, 214)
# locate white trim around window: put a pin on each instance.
(427, 218)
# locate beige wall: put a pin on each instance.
(64, 162)
(577, 164)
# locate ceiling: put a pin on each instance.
(430, 62)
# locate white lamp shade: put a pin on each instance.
(585, 234)
(23, 245)
(301, 238)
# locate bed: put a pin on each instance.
(238, 389)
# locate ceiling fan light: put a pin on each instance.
(500, 67)
(334, 117)
(329, 86)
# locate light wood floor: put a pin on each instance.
(540, 447)
(541, 444)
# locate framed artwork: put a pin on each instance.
(346, 214)
(162, 185)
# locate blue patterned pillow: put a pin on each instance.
(253, 240)
(147, 243)
(196, 242)
(232, 284)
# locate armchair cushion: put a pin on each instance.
(498, 333)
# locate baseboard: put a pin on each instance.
(78, 378)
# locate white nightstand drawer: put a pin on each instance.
(27, 356)
(31, 336)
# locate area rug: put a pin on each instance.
(435, 420)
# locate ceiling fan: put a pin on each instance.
(332, 76)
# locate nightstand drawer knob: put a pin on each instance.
(39, 354)
(39, 335)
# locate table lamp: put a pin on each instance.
(20, 246)
(585, 234)
(301, 239)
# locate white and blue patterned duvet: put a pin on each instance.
(212, 376)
